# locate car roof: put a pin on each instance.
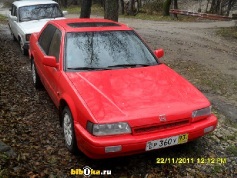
(28, 2)
(88, 24)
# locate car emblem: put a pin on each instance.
(162, 118)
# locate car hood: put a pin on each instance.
(33, 26)
(131, 94)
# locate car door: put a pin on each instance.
(54, 74)
(49, 44)
(12, 20)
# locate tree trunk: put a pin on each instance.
(218, 7)
(60, 2)
(139, 3)
(208, 1)
(230, 4)
(130, 7)
(111, 10)
(175, 7)
(74, 2)
(166, 8)
(86, 8)
(102, 3)
(121, 7)
(215, 7)
(213, 4)
(65, 3)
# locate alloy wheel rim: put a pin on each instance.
(33, 73)
(67, 126)
(22, 46)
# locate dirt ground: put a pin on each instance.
(29, 120)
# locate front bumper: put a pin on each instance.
(94, 147)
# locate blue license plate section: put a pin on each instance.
(165, 142)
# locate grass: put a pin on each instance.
(3, 18)
(95, 10)
(217, 168)
(231, 124)
(232, 150)
(231, 137)
(229, 32)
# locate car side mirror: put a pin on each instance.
(50, 61)
(159, 53)
(65, 13)
(14, 18)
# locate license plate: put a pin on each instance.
(165, 142)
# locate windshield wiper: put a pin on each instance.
(131, 65)
(87, 68)
(109, 67)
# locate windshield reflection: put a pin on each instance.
(36, 12)
(106, 49)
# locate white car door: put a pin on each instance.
(13, 20)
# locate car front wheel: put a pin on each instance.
(13, 37)
(35, 77)
(68, 130)
(23, 50)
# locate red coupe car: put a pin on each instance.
(115, 97)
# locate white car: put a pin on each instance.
(27, 17)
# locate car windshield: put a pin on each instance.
(37, 12)
(106, 49)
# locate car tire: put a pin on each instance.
(68, 130)
(23, 50)
(35, 77)
(13, 37)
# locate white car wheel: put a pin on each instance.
(68, 130)
(23, 50)
(13, 37)
(35, 77)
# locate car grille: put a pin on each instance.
(155, 128)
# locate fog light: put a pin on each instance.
(208, 129)
(109, 149)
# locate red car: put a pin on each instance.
(115, 97)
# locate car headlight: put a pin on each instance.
(108, 129)
(28, 37)
(201, 113)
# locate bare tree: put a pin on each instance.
(230, 5)
(221, 7)
(175, 2)
(166, 7)
(111, 10)
(74, 2)
(121, 6)
(86, 8)
(63, 3)
(130, 7)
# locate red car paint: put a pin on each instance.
(139, 96)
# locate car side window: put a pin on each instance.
(54, 48)
(13, 11)
(46, 38)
